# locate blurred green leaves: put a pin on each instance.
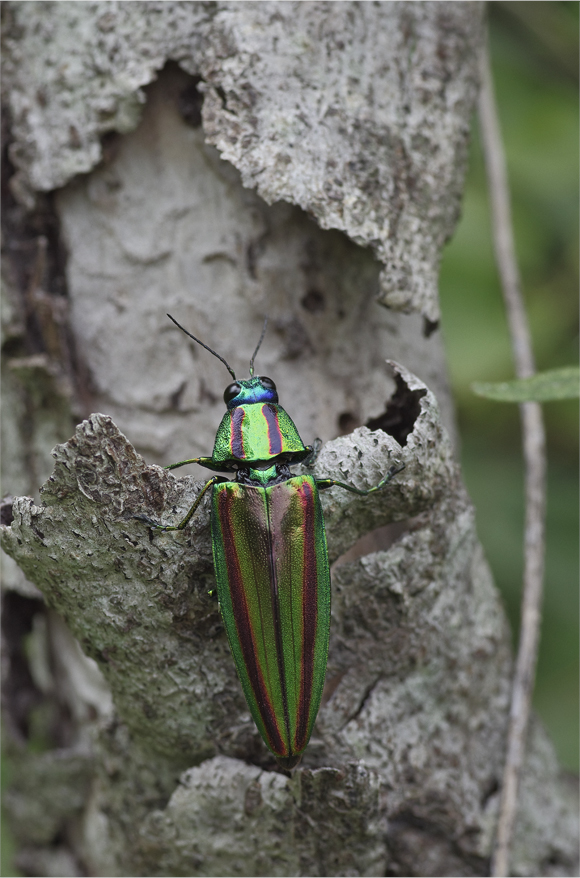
(546, 386)
(534, 47)
(538, 106)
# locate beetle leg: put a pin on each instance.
(183, 523)
(203, 461)
(329, 483)
(313, 452)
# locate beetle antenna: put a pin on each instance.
(258, 346)
(228, 367)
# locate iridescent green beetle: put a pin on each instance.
(270, 559)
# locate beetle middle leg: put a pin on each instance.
(183, 523)
(330, 483)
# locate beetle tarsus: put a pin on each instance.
(151, 523)
(396, 468)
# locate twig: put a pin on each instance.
(533, 439)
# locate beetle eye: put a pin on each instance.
(231, 391)
(267, 383)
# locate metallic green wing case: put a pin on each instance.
(273, 580)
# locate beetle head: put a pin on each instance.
(254, 389)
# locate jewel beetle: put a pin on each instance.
(270, 559)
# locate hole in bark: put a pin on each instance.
(190, 102)
(490, 791)
(253, 253)
(347, 422)
(552, 865)
(429, 327)
(401, 412)
(221, 94)
(110, 143)
(13, 347)
(19, 692)
(206, 395)
(313, 301)
(294, 337)
(6, 516)
(175, 398)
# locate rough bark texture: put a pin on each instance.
(357, 114)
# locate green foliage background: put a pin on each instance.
(534, 49)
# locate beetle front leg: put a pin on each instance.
(313, 452)
(183, 523)
(330, 483)
(202, 461)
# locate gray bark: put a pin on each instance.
(321, 173)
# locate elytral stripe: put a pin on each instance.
(244, 626)
(236, 435)
(284, 515)
(275, 438)
(309, 614)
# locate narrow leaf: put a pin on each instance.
(542, 387)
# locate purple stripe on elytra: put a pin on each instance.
(274, 435)
(236, 436)
(244, 626)
(309, 615)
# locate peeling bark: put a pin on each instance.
(220, 160)
(358, 113)
(408, 735)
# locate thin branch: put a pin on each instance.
(533, 438)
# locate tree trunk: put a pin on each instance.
(221, 161)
